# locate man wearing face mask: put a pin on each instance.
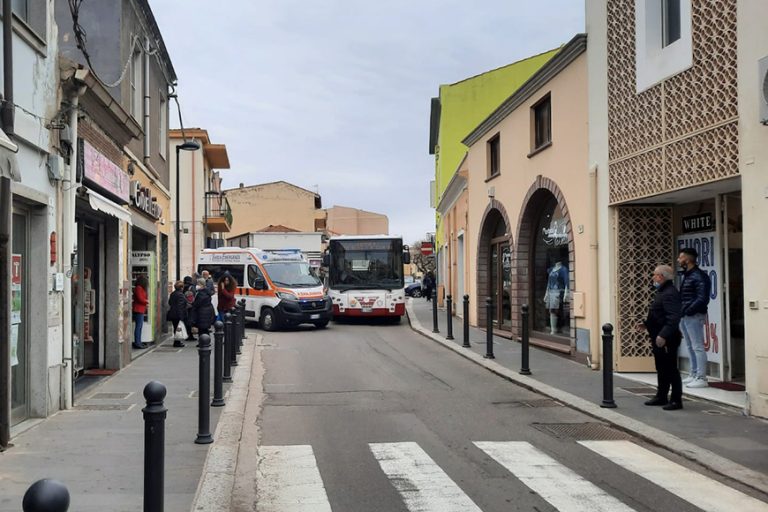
(694, 294)
(662, 325)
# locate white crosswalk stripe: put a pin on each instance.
(289, 480)
(423, 486)
(697, 489)
(558, 485)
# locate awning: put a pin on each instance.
(102, 204)
(9, 167)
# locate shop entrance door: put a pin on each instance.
(734, 279)
(91, 289)
(501, 283)
(19, 322)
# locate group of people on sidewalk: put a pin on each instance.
(190, 305)
(673, 316)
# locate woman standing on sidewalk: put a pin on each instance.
(140, 302)
(203, 313)
(177, 310)
(226, 293)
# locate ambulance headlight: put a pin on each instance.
(286, 296)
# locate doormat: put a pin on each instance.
(728, 386)
(99, 371)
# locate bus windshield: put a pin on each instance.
(366, 264)
(291, 274)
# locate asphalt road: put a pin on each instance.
(362, 417)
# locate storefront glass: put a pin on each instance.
(19, 344)
(550, 273)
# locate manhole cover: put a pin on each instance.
(581, 431)
(110, 396)
(713, 412)
(167, 349)
(104, 407)
(539, 402)
(647, 390)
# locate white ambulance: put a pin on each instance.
(278, 287)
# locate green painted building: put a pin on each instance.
(464, 105)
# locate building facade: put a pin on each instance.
(204, 214)
(343, 220)
(529, 229)
(675, 136)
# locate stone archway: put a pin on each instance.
(542, 191)
(494, 217)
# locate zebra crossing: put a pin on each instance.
(289, 479)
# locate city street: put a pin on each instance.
(377, 417)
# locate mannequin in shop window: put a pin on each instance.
(556, 294)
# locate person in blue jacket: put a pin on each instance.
(694, 294)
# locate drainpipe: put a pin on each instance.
(68, 237)
(145, 124)
(6, 198)
(594, 338)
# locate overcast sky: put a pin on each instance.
(334, 95)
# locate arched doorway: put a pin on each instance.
(494, 267)
(545, 256)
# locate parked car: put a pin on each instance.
(413, 289)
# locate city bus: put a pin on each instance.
(365, 276)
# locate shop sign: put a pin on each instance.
(141, 198)
(708, 248)
(698, 223)
(104, 173)
(556, 234)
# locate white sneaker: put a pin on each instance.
(697, 383)
(688, 379)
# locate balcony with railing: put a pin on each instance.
(218, 214)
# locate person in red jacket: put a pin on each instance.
(226, 293)
(140, 302)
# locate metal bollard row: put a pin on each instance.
(466, 322)
(434, 311)
(608, 402)
(489, 329)
(525, 350)
(218, 365)
(204, 391)
(228, 350)
(449, 310)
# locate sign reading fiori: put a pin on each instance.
(141, 197)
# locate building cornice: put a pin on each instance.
(567, 54)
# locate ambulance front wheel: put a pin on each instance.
(268, 320)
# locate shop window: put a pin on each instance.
(494, 157)
(551, 272)
(670, 21)
(542, 124)
(33, 13)
(136, 86)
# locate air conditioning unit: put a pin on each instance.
(762, 75)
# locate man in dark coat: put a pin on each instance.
(189, 290)
(203, 314)
(177, 310)
(663, 330)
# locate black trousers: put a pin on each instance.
(667, 372)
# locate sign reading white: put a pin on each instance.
(708, 247)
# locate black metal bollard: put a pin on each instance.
(227, 376)
(238, 339)
(218, 364)
(234, 338)
(525, 350)
(204, 392)
(46, 495)
(489, 329)
(449, 309)
(608, 402)
(466, 322)
(154, 446)
(434, 311)
(242, 323)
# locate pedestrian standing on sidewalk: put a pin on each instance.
(694, 294)
(203, 314)
(663, 327)
(209, 282)
(139, 309)
(189, 294)
(226, 293)
(429, 284)
(177, 310)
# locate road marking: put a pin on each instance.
(288, 480)
(703, 492)
(419, 480)
(558, 485)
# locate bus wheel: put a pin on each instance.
(268, 320)
(322, 324)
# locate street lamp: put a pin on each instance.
(190, 145)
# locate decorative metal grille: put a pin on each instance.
(644, 241)
(682, 131)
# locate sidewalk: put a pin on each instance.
(97, 448)
(715, 435)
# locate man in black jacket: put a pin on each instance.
(694, 294)
(663, 330)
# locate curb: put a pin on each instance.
(214, 490)
(710, 460)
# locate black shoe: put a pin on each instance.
(144, 345)
(656, 401)
(673, 406)
(178, 344)
(137, 346)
